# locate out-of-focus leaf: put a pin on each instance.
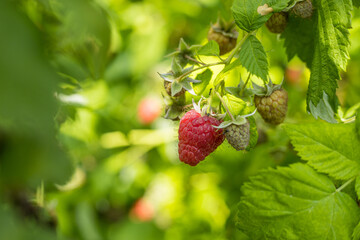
(27, 106)
(357, 123)
(356, 3)
(357, 186)
(85, 33)
(17, 228)
(86, 221)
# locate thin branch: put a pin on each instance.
(194, 60)
(196, 69)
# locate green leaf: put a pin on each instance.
(226, 69)
(334, 20)
(295, 203)
(13, 226)
(299, 39)
(176, 67)
(323, 110)
(205, 78)
(236, 105)
(356, 233)
(28, 106)
(175, 88)
(246, 14)
(323, 84)
(85, 216)
(331, 51)
(209, 49)
(253, 57)
(329, 148)
(357, 186)
(356, 3)
(187, 85)
(357, 123)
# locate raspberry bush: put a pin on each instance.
(179, 119)
(287, 202)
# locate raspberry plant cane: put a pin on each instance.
(292, 197)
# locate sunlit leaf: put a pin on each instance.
(329, 148)
(295, 203)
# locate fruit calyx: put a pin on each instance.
(271, 103)
(267, 90)
(178, 83)
(237, 131)
(239, 120)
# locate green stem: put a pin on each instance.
(225, 106)
(198, 68)
(243, 87)
(237, 48)
(194, 60)
(345, 184)
(226, 61)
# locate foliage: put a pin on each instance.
(77, 161)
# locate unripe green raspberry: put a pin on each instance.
(277, 22)
(238, 136)
(226, 40)
(272, 108)
(303, 9)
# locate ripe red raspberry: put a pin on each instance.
(197, 137)
(277, 22)
(273, 108)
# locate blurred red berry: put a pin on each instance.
(142, 210)
(293, 75)
(149, 110)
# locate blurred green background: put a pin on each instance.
(84, 151)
